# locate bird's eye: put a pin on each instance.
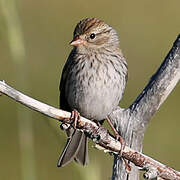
(92, 36)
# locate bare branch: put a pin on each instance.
(99, 134)
(130, 122)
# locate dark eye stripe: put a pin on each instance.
(103, 32)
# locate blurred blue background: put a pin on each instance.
(30, 143)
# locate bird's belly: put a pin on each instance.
(94, 101)
(97, 104)
(95, 89)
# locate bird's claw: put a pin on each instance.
(75, 116)
(123, 143)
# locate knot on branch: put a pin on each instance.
(98, 134)
(151, 172)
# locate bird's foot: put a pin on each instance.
(75, 116)
(117, 136)
(123, 143)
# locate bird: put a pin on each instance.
(92, 82)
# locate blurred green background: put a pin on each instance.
(30, 143)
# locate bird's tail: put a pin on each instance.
(76, 148)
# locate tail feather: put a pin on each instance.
(75, 148)
(82, 155)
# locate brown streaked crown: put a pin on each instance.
(86, 25)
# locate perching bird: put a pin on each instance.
(92, 82)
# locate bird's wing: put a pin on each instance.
(63, 101)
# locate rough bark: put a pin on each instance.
(132, 122)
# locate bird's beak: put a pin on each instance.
(76, 41)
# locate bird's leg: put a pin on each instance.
(117, 136)
(75, 116)
(121, 140)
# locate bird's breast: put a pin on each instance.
(95, 87)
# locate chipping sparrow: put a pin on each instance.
(93, 81)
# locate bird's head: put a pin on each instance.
(92, 34)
